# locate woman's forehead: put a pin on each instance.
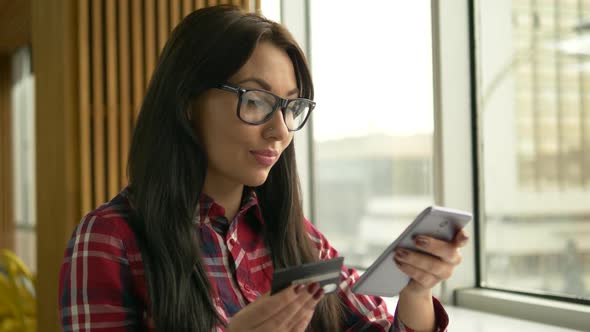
(271, 65)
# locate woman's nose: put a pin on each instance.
(276, 126)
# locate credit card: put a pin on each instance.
(325, 272)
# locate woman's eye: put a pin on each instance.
(252, 103)
(297, 108)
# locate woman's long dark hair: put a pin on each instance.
(167, 168)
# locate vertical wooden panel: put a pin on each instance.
(239, 4)
(98, 104)
(84, 106)
(138, 54)
(112, 100)
(54, 45)
(174, 13)
(163, 28)
(222, 2)
(15, 25)
(6, 189)
(187, 7)
(150, 39)
(247, 5)
(124, 88)
(200, 4)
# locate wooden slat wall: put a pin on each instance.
(15, 25)
(163, 27)
(137, 33)
(117, 53)
(97, 103)
(6, 207)
(126, 118)
(187, 7)
(84, 106)
(150, 38)
(92, 60)
(113, 110)
(57, 140)
(174, 14)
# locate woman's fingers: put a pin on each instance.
(447, 251)
(268, 306)
(426, 279)
(435, 261)
(424, 262)
(289, 310)
(304, 315)
(461, 239)
(288, 314)
(264, 308)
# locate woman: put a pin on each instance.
(213, 205)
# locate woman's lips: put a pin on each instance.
(265, 157)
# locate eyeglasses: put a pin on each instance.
(257, 106)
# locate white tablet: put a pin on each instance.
(383, 277)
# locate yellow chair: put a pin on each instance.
(17, 295)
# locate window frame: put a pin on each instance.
(457, 169)
(295, 16)
(554, 310)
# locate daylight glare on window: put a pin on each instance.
(534, 106)
(373, 124)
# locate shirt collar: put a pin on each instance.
(208, 211)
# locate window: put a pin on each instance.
(373, 124)
(534, 114)
(23, 117)
(271, 9)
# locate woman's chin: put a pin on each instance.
(257, 179)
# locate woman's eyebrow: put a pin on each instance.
(265, 85)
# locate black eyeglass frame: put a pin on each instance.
(281, 103)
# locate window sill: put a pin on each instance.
(567, 315)
(469, 320)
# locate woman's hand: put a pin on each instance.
(437, 264)
(289, 310)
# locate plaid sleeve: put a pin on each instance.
(364, 312)
(95, 280)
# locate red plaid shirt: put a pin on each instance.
(102, 284)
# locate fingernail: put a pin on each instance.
(318, 294)
(298, 288)
(401, 253)
(422, 242)
(312, 288)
